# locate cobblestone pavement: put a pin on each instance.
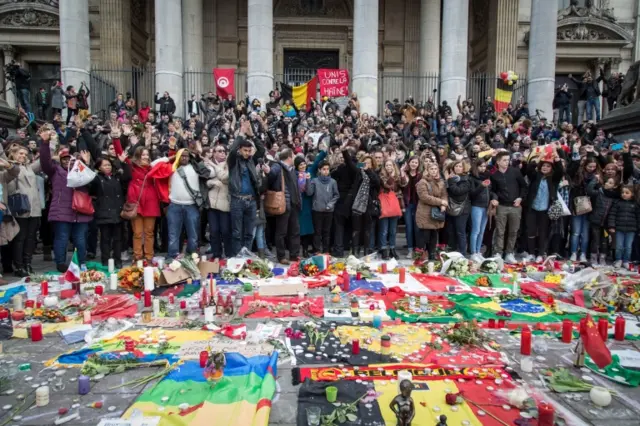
(624, 411)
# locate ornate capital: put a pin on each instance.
(8, 49)
(29, 17)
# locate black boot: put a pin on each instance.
(385, 254)
(29, 269)
(20, 273)
(61, 267)
(367, 251)
(393, 254)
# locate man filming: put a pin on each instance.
(22, 80)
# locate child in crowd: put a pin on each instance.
(324, 190)
(623, 222)
(603, 199)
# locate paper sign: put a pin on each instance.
(191, 350)
(166, 322)
(334, 82)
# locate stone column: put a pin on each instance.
(75, 46)
(542, 54)
(115, 42)
(260, 50)
(9, 94)
(503, 36)
(169, 69)
(455, 43)
(365, 54)
(429, 64)
(192, 47)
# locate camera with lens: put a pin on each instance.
(11, 70)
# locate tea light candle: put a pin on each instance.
(113, 282)
(112, 266)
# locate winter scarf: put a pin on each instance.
(361, 201)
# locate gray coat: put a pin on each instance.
(57, 97)
(325, 195)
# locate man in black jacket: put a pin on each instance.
(244, 188)
(167, 105)
(562, 101)
(511, 188)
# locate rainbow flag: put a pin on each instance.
(242, 397)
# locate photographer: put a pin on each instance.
(22, 80)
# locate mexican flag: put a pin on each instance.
(73, 272)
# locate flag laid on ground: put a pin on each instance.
(594, 345)
(73, 272)
(300, 95)
(242, 397)
(224, 78)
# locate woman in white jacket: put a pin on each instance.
(25, 189)
(218, 214)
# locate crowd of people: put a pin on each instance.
(288, 182)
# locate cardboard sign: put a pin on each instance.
(207, 267)
(333, 82)
(169, 277)
(191, 350)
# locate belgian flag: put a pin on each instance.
(504, 92)
(300, 95)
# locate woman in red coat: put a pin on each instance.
(143, 192)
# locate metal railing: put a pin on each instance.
(140, 83)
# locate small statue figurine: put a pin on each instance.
(402, 405)
(214, 369)
(443, 420)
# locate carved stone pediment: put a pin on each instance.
(312, 8)
(591, 29)
(29, 17)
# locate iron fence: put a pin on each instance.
(140, 84)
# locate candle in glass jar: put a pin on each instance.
(355, 346)
(385, 345)
(99, 290)
(546, 414)
(567, 330)
(525, 341)
(84, 385)
(204, 356)
(603, 328)
(619, 329)
(30, 303)
(36, 332)
(402, 275)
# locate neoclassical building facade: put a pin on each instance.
(392, 48)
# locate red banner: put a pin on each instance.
(224, 78)
(333, 82)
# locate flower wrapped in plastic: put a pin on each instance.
(214, 368)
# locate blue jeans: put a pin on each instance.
(243, 220)
(593, 103)
(410, 224)
(478, 225)
(564, 114)
(580, 232)
(219, 232)
(62, 231)
(258, 234)
(189, 216)
(388, 227)
(24, 98)
(624, 244)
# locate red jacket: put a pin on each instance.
(143, 114)
(149, 205)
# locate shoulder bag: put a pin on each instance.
(455, 208)
(18, 204)
(275, 202)
(436, 214)
(82, 203)
(130, 210)
(195, 195)
(582, 205)
(389, 205)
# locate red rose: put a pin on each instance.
(145, 263)
(249, 261)
(451, 398)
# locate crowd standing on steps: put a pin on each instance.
(292, 180)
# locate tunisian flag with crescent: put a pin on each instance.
(224, 78)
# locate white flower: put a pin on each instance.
(175, 265)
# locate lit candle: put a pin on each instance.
(546, 414)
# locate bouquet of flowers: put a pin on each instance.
(419, 256)
(91, 276)
(337, 267)
(491, 266)
(458, 267)
(310, 269)
(214, 368)
(483, 281)
(48, 315)
(131, 278)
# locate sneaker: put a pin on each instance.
(476, 257)
(625, 265)
(539, 259)
(583, 258)
(603, 260)
(524, 255)
(510, 258)
(594, 260)
(125, 256)
(410, 254)
(573, 257)
(617, 263)
(498, 256)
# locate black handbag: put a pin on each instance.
(436, 214)
(18, 203)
